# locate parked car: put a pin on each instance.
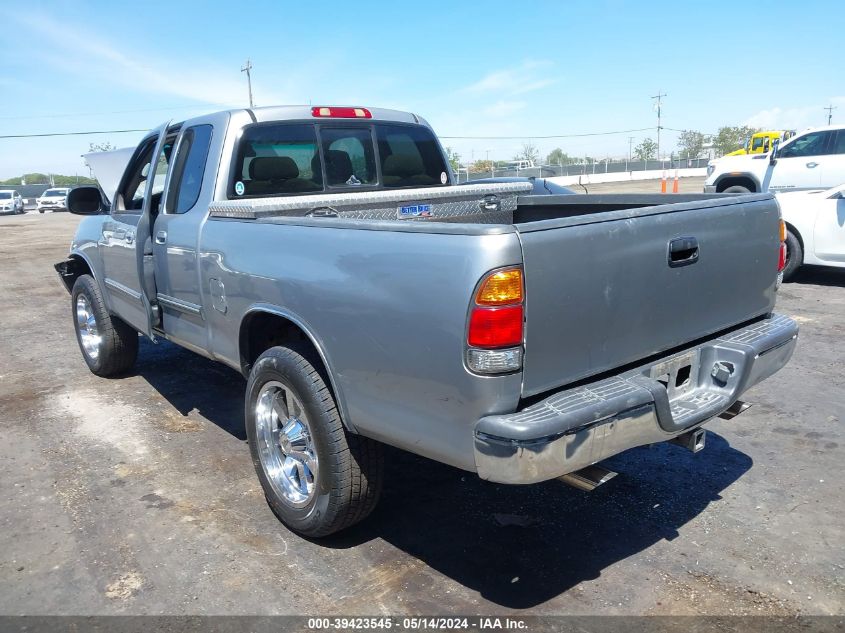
(815, 224)
(10, 201)
(813, 159)
(53, 200)
(326, 254)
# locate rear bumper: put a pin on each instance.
(584, 425)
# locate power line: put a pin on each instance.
(81, 114)
(531, 137)
(70, 133)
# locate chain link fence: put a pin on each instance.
(582, 169)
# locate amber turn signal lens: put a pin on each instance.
(503, 287)
(782, 231)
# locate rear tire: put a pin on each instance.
(318, 478)
(108, 345)
(794, 256)
(737, 189)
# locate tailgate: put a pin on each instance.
(600, 291)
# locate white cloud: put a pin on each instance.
(797, 118)
(503, 108)
(516, 80)
(70, 48)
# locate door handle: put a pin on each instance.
(161, 237)
(683, 251)
(812, 164)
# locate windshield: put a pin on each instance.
(5, 195)
(54, 192)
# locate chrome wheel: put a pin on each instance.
(89, 334)
(285, 444)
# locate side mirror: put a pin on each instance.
(773, 157)
(85, 201)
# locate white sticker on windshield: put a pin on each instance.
(443, 177)
(239, 188)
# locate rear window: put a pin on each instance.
(292, 158)
(278, 159)
(410, 156)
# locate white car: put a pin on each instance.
(815, 225)
(10, 201)
(813, 159)
(53, 200)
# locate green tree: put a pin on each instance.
(481, 166)
(646, 150)
(690, 144)
(454, 159)
(558, 157)
(529, 152)
(730, 138)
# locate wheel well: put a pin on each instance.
(794, 231)
(262, 330)
(741, 181)
(71, 269)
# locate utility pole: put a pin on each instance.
(659, 96)
(630, 144)
(246, 69)
(830, 110)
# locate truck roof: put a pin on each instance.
(299, 112)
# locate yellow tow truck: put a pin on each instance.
(761, 142)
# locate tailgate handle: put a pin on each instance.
(683, 251)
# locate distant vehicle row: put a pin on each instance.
(53, 200)
(813, 159)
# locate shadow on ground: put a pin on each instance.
(190, 382)
(517, 546)
(819, 276)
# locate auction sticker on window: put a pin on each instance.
(239, 188)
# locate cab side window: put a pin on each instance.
(839, 143)
(188, 169)
(812, 144)
(134, 188)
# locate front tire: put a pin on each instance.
(317, 478)
(794, 256)
(108, 345)
(737, 189)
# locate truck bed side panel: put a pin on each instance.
(389, 309)
(601, 294)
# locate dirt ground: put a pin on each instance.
(137, 495)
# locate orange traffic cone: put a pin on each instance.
(663, 182)
(675, 183)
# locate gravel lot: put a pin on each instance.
(137, 495)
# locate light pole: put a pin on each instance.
(659, 96)
(246, 69)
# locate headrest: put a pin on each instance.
(403, 165)
(338, 166)
(273, 168)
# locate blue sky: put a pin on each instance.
(517, 69)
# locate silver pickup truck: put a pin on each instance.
(326, 254)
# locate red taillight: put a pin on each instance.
(782, 252)
(495, 327)
(334, 112)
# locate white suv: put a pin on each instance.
(10, 201)
(53, 200)
(813, 159)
